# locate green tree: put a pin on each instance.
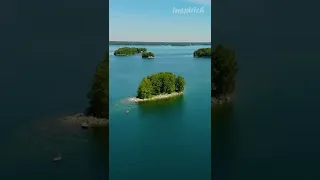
(139, 50)
(156, 80)
(179, 84)
(145, 89)
(223, 71)
(147, 54)
(160, 83)
(128, 51)
(99, 92)
(202, 52)
(168, 83)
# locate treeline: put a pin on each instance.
(160, 83)
(223, 72)
(132, 43)
(99, 92)
(147, 54)
(202, 52)
(127, 51)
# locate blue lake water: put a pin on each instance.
(48, 54)
(168, 139)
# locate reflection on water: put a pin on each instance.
(173, 106)
(161, 105)
(222, 139)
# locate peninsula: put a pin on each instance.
(97, 114)
(128, 51)
(158, 86)
(202, 52)
(223, 74)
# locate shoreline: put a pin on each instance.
(221, 100)
(79, 119)
(155, 98)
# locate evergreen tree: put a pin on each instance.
(223, 71)
(179, 84)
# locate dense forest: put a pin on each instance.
(223, 72)
(202, 52)
(147, 55)
(99, 92)
(160, 83)
(128, 51)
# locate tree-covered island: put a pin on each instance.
(128, 51)
(97, 114)
(202, 52)
(157, 86)
(223, 74)
(148, 55)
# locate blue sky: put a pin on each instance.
(154, 20)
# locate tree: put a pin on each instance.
(179, 84)
(223, 71)
(202, 52)
(99, 92)
(128, 51)
(139, 50)
(147, 54)
(160, 83)
(145, 89)
(168, 83)
(157, 81)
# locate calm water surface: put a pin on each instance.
(167, 139)
(272, 129)
(48, 54)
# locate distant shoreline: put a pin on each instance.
(160, 43)
(155, 98)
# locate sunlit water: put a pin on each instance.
(168, 139)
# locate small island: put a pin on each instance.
(148, 55)
(97, 114)
(223, 74)
(202, 52)
(128, 51)
(158, 86)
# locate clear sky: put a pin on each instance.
(154, 21)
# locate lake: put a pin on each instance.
(167, 139)
(48, 54)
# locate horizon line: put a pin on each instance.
(166, 41)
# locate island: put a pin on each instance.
(97, 114)
(202, 52)
(223, 74)
(148, 55)
(158, 86)
(128, 51)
